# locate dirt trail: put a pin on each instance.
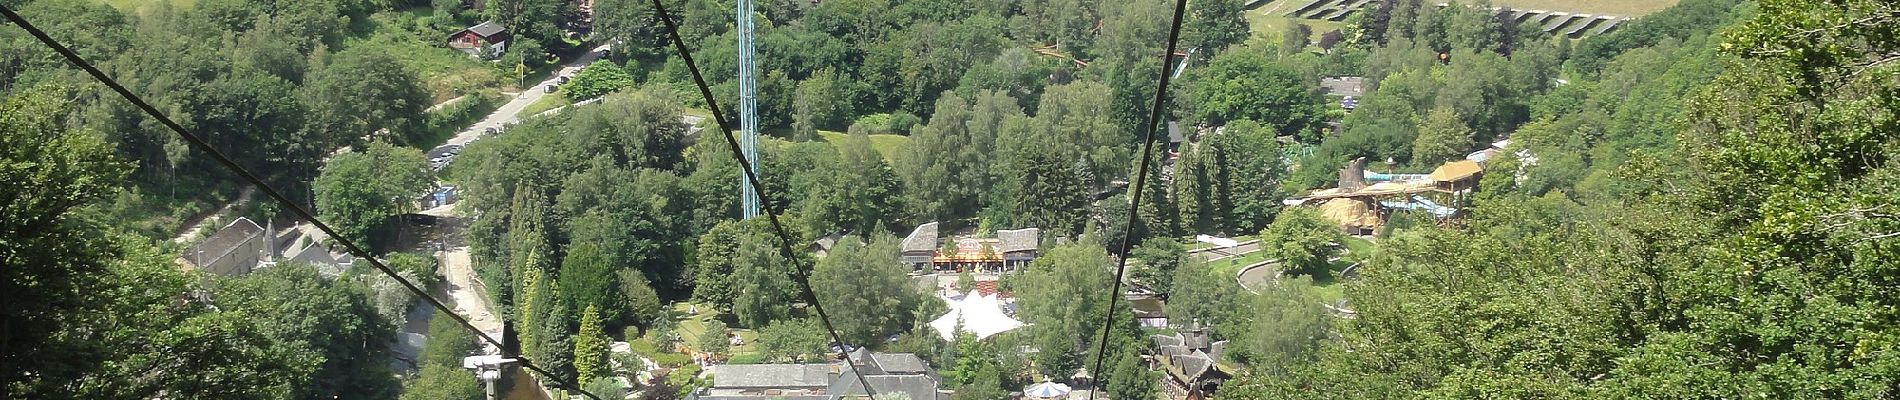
(466, 292)
(190, 231)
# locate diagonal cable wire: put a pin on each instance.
(274, 194)
(799, 271)
(1134, 204)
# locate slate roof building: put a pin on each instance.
(233, 250)
(1018, 246)
(1191, 360)
(886, 372)
(920, 247)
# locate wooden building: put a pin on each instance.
(485, 40)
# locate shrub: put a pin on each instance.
(598, 79)
(885, 123)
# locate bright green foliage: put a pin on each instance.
(1226, 184)
(531, 308)
(866, 292)
(1131, 378)
(1688, 18)
(947, 168)
(643, 307)
(359, 192)
(607, 388)
(825, 101)
(714, 340)
(713, 282)
(95, 313)
(322, 325)
(1441, 138)
(914, 65)
(1153, 262)
(1246, 84)
(858, 193)
(1302, 241)
(591, 346)
(536, 20)
(793, 340)
(1295, 39)
(1018, 73)
(1061, 297)
(1745, 259)
(1288, 325)
(1213, 25)
(1054, 162)
(361, 92)
(762, 282)
(448, 343)
(641, 129)
(443, 382)
(598, 79)
(1215, 299)
(588, 281)
(1128, 61)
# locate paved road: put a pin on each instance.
(508, 113)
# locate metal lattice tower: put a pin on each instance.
(748, 108)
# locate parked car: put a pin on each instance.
(552, 88)
(564, 79)
(490, 131)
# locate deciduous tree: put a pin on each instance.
(865, 290)
(1302, 241)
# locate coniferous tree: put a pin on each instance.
(591, 346)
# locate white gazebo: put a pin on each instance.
(977, 314)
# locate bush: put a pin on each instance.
(444, 122)
(598, 79)
(895, 124)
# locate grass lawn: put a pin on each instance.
(1269, 21)
(133, 6)
(1623, 8)
(1358, 248)
(1228, 267)
(548, 102)
(886, 145)
(693, 326)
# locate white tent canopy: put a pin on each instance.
(1046, 390)
(1217, 241)
(980, 315)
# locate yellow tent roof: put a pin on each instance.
(1456, 171)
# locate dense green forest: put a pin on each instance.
(1697, 204)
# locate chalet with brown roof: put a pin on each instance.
(485, 40)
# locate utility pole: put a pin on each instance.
(748, 108)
